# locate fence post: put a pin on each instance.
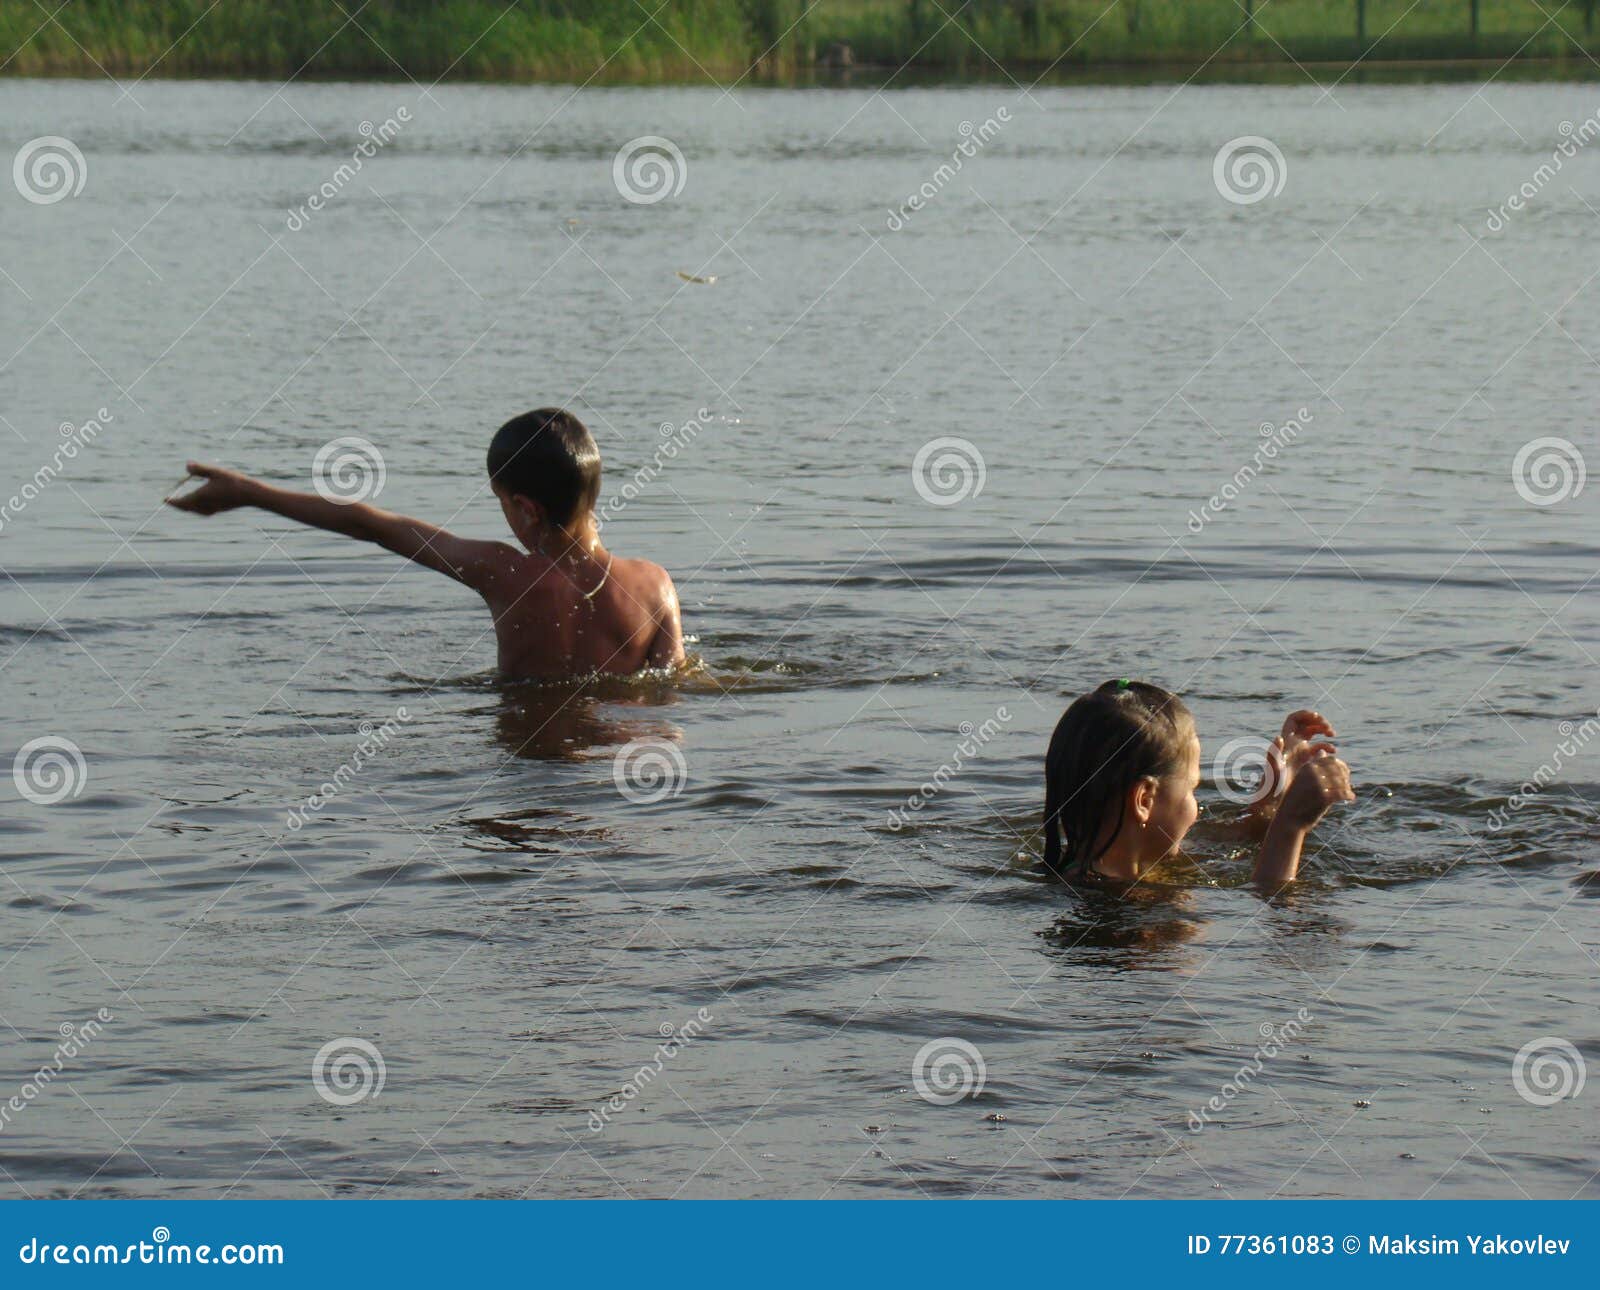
(1361, 22)
(1475, 4)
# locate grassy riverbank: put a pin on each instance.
(703, 40)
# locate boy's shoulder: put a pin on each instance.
(522, 576)
(644, 575)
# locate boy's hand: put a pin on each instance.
(223, 490)
(1322, 781)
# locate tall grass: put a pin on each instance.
(687, 40)
(616, 40)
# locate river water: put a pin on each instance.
(516, 974)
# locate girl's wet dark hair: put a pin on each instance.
(548, 455)
(1103, 745)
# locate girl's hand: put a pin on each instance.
(1321, 781)
(223, 490)
(1294, 746)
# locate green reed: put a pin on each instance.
(702, 40)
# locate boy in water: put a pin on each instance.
(565, 606)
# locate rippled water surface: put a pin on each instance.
(511, 933)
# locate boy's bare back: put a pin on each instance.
(562, 606)
(547, 624)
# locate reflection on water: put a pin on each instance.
(1120, 931)
(582, 721)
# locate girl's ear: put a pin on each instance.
(1142, 797)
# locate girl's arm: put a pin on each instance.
(427, 544)
(1320, 782)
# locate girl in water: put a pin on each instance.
(1120, 777)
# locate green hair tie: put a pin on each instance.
(1123, 683)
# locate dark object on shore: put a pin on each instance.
(837, 55)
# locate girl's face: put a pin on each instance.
(1174, 810)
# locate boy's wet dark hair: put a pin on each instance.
(550, 457)
(1104, 744)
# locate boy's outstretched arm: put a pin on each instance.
(1319, 782)
(463, 559)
